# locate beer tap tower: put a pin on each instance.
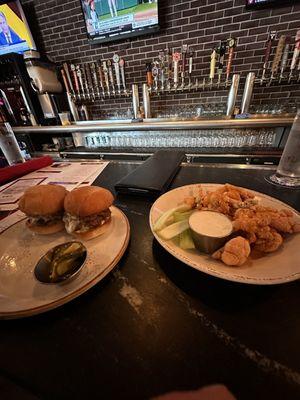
(174, 72)
(95, 81)
(281, 72)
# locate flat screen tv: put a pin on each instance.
(15, 35)
(268, 3)
(109, 20)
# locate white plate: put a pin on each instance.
(273, 268)
(22, 295)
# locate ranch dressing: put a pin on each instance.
(210, 223)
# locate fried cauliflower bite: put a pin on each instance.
(195, 198)
(248, 220)
(215, 201)
(227, 199)
(235, 252)
(284, 221)
(260, 225)
(253, 219)
(296, 227)
(237, 192)
(190, 201)
(268, 240)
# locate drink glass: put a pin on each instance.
(9, 145)
(64, 118)
(288, 170)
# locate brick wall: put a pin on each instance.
(58, 27)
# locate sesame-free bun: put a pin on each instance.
(43, 200)
(46, 229)
(92, 233)
(88, 200)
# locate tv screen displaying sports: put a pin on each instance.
(15, 35)
(108, 20)
(268, 3)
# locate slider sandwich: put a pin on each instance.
(44, 207)
(87, 213)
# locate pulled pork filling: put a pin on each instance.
(74, 223)
(42, 220)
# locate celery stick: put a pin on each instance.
(170, 220)
(186, 241)
(173, 230)
(182, 216)
(160, 223)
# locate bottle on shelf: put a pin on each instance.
(9, 144)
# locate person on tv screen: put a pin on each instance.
(112, 8)
(94, 15)
(86, 9)
(7, 35)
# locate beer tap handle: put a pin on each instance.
(155, 72)
(95, 78)
(66, 83)
(176, 59)
(231, 46)
(285, 56)
(85, 84)
(149, 74)
(162, 78)
(161, 69)
(68, 77)
(277, 57)
(101, 78)
(190, 62)
(175, 74)
(295, 54)
(190, 70)
(111, 77)
(105, 71)
(122, 68)
(221, 51)
(79, 74)
(213, 60)
(116, 60)
(89, 81)
(183, 63)
(269, 43)
(75, 78)
(169, 71)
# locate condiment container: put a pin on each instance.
(210, 230)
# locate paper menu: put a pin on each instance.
(11, 193)
(68, 174)
(11, 220)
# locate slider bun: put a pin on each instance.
(43, 200)
(88, 200)
(92, 233)
(46, 229)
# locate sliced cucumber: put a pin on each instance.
(160, 223)
(181, 216)
(186, 241)
(173, 230)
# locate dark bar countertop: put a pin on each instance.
(154, 324)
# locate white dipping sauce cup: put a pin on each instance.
(210, 230)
